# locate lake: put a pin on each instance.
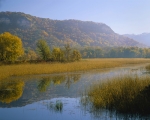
(57, 96)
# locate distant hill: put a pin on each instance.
(141, 38)
(58, 32)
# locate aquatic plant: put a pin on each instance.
(57, 106)
(147, 67)
(83, 65)
(125, 94)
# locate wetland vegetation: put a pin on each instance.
(49, 68)
(45, 74)
(124, 93)
(127, 93)
(148, 67)
(123, 89)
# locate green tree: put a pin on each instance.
(57, 54)
(43, 49)
(67, 52)
(10, 47)
(76, 56)
(29, 55)
(147, 51)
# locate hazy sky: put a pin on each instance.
(123, 16)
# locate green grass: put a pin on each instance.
(125, 94)
(49, 68)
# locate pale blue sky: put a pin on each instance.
(123, 16)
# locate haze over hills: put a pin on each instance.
(141, 38)
(58, 32)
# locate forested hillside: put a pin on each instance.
(56, 32)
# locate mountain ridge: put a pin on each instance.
(143, 38)
(59, 32)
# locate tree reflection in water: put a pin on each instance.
(10, 90)
(72, 78)
(58, 79)
(45, 82)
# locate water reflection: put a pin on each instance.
(137, 108)
(72, 78)
(112, 114)
(58, 79)
(142, 101)
(55, 96)
(10, 90)
(43, 84)
(68, 79)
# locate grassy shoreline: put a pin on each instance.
(83, 65)
(124, 94)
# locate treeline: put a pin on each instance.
(57, 54)
(11, 51)
(68, 54)
(119, 52)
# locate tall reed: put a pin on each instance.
(48, 68)
(147, 67)
(127, 94)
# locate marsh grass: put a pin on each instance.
(48, 68)
(147, 67)
(124, 94)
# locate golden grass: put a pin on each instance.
(128, 93)
(48, 68)
(147, 67)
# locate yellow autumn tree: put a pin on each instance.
(57, 54)
(10, 47)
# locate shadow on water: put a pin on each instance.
(142, 101)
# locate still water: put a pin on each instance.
(57, 96)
